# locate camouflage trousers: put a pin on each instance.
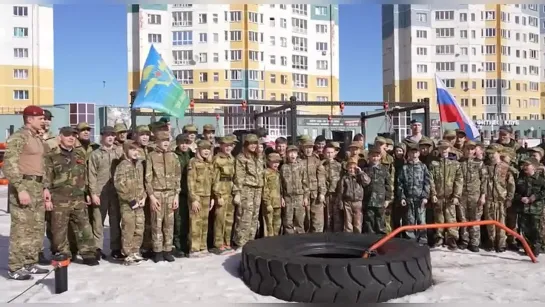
(223, 221)
(353, 216)
(445, 212)
(511, 220)
(132, 228)
(294, 214)
(542, 223)
(72, 213)
(247, 215)
(531, 229)
(198, 227)
(398, 213)
(181, 225)
(109, 206)
(496, 235)
(72, 242)
(469, 210)
(27, 226)
(315, 213)
(272, 217)
(162, 222)
(334, 216)
(147, 244)
(373, 220)
(415, 214)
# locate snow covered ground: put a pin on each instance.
(459, 277)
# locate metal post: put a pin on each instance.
(363, 125)
(293, 120)
(11, 131)
(427, 124)
(133, 111)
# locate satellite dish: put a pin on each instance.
(195, 59)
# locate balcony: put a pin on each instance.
(182, 23)
(299, 30)
(183, 62)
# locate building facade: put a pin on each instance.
(26, 56)
(488, 55)
(241, 51)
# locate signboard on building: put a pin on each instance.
(494, 122)
(334, 122)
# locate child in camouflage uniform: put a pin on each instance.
(378, 193)
(529, 200)
(295, 192)
(129, 184)
(272, 198)
(350, 192)
(333, 170)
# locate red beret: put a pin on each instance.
(33, 111)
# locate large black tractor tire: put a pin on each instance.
(329, 268)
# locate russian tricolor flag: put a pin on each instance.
(451, 112)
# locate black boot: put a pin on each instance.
(167, 256)
(90, 261)
(158, 257)
(473, 248)
(147, 254)
(99, 254)
(42, 259)
(117, 255)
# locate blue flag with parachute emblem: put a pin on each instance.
(159, 90)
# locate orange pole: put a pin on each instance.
(392, 234)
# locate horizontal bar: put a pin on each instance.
(204, 114)
(390, 111)
(307, 103)
(272, 111)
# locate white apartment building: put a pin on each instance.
(241, 51)
(26, 56)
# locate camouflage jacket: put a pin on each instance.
(16, 144)
(272, 189)
(248, 172)
(527, 186)
(380, 188)
(388, 161)
(200, 179)
(515, 152)
(447, 179)
(352, 187)
(224, 170)
(129, 180)
(87, 148)
(499, 183)
(332, 170)
(163, 172)
(102, 163)
(413, 181)
(66, 175)
(184, 158)
(473, 175)
(293, 177)
(315, 174)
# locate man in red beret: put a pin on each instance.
(24, 168)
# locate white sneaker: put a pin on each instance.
(137, 257)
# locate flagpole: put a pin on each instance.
(440, 117)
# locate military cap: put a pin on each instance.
(443, 144)
(251, 138)
(303, 138)
(411, 146)
(48, 115)
(352, 160)
(530, 160)
(374, 150)
(227, 140)
(208, 127)
(493, 148)
(120, 127)
(165, 119)
(506, 128)
(389, 141)
(292, 148)
(403, 146)
(67, 130)
(83, 126)
(449, 133)
(354, 145)
(335, 145)
(107, 130)
(426, 141)
(307, 143)
(460, 131)
(470, 143)
(190, 128)
(143, 129)
(129, 144)
(232, 137)
(33, 111)
(274, 157)
(182, 138)
(415, 121)
(380, 140)
(538, 150)
(204, 144)
(162, 136)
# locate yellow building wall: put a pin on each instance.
(40, 84)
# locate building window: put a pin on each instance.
(184, 76)
(182, 19)
(154, 38)
(20, 94)
(20, 52)
(283, 23)
(82, 112)
(20, 32)
(444, 15)
(300, 80)
(20, 74)
(321, 28)
(182, 38)
(202, 19)
(203, 37)
(320, 10)
(203, 57)
(422, 85)
(252, 17)
(182, 57)
(422, 17)
(216, 57)
(300, 9)
(215, 18)
(154, 19)
(444, 66)
(422, 68)
(321, 65)
(233, 55)
(20, 11)
(422, 51)
(444, 32)
(299, 25)
(421, 34)
(322, 82)
(320, 46)
(299, 62)
(299, 43)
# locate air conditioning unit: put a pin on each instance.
(324, 52)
